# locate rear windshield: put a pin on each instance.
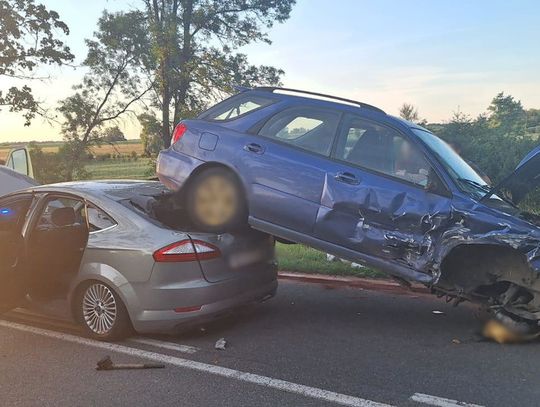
(160, 210)
(236, 106)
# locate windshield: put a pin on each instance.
(465, 177)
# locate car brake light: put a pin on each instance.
(179, 131)
(186, 250)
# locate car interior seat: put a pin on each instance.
(372, 151)
(57, 250)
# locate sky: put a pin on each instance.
(441, 56)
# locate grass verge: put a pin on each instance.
(300, 258)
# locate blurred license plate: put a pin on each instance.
(243, 259)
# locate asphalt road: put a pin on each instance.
(326, 346)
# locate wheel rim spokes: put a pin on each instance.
(99, 308)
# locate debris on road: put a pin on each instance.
(107, 364)
(456, 341)
(438, 312)
(221, 344)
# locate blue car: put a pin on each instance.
(347, 178)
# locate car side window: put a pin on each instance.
(309, 128)
(98, 219)
(381, 149)
(236, 106)
(60, 212)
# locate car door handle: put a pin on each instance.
(347, 178)
(254, 148)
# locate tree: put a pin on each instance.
(495, 141)
(193, 44)
(408, 112)
(506, 113)
(28, 39)
(113, 134)
(112, 85)
(150, 134)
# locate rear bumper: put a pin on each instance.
(214, 299)
(173, 168)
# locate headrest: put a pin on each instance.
(63, 217)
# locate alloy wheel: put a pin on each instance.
(99, 308)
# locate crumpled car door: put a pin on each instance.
(377, 200)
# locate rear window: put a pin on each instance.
(236, 107)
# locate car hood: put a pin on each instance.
(523, 179)
(11, 181)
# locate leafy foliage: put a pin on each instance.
(55, 167)
(193, 44)
(409, 112)
(113, 134)
(113, 84)
(495, 141)
(150, 134)
(28, 39)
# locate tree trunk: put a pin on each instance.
(165, 117)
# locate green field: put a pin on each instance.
(122, 147)
(115, 169)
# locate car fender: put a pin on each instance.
(110, 276)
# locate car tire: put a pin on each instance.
(102, 313)
(215, 201)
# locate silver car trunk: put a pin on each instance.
(240, 252)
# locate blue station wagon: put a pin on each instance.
(347, 178)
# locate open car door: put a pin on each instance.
(19, 161)
(18, 172)
(13, 213)
(56, 243)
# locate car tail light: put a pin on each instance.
(178, 132)
(186, 250)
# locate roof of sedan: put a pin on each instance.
(113, 189)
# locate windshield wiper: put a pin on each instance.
(489, 191)
(477, 185)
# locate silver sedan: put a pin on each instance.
(115, 253)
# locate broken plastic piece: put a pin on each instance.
(221, 344)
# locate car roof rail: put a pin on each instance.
(306, 92)
(240, 88)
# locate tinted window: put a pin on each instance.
(381, 149)
(236, 106)
(312, 129)
(98, 219)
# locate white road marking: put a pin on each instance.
(165, 345)
(277, 384)
(439, 401)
